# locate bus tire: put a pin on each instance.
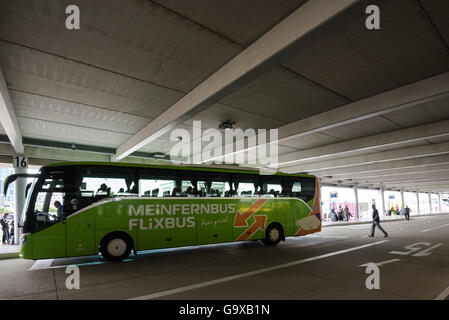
(116, 246)
(273, 235)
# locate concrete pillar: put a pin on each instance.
(402, 201)
(417, 201)
(382, 193)
(356, 196)
(439, 202)
(430, 202)
(19, 201)
(321, 203)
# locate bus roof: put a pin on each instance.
(176, 167)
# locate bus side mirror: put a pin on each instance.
(27, 189)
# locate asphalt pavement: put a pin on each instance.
(413, 263)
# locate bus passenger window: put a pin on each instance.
(187, 189)
(99, 186)
(219, 188)
(213, 188)
(156, 188)
(272, 190)
(202, 189)
(296, 187)
(245, 189)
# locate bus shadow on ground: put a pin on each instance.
(149, 254)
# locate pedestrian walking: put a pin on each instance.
(333, 215)
(376, 222)
(407, 213)
(347, 213)
(340, 213)
(11, 233)
(5, 228)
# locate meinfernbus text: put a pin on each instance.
(82, 208)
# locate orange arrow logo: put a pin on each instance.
(258, 224)
(241, 218)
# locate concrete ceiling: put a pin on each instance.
(132, 61)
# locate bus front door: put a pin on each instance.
(50, 242)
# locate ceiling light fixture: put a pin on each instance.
(228, 124)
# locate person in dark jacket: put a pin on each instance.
(5, 228)
(347, 213)
(333, 215)
(376, 222)
(407, 213)
(340, 213)
(11, 233)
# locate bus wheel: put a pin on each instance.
(273, 235)
(116, 246)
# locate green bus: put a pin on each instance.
(83, 208)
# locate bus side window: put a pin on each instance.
(301, 187)
(188, 189)
(156, 187)
(213, 188)
(219, 188)
(202, 188)
(246, 185)
(272, 187)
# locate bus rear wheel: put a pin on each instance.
(116, 246)
(273, 235)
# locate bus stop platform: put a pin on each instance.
(329, 223)
(9, 251)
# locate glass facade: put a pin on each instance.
(7, 201)
(445, 202)
(333, 198)
(393, 203)
(410, 201)
(368, 197)
(435, 202)
(424, 204)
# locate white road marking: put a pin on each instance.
(46, 264)
(248, 274)
(435, 228)
(426, 252)
(41, 265)
(358, 226)
(443, 295)
(380, 264)
(316, 236)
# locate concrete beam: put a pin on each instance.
(405, 177)
(239, 71)
(427, 163)
(372, 158)
(39, 156)
(439, 169)
(411, 134)
(424, 185)
(8, 117)
(420, 92)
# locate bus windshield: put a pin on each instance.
(27, 203)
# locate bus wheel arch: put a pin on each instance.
(116, 246)
(274, 233)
